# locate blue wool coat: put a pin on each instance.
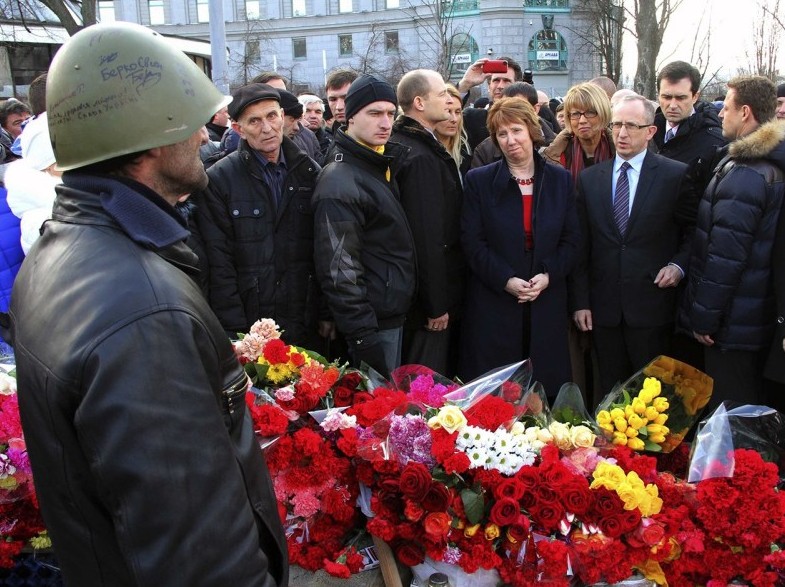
(493, 239)
(11, 255)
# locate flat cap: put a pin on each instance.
(247, 95)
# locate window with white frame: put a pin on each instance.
(106, 11)
(298, 8)
(252, 10)
(202, 11)
(344, 5)
(156, 8)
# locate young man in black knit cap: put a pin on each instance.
(364, 249)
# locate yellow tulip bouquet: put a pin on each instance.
(654, 409)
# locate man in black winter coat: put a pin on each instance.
(431, 196)
(729, 303)
(364, 250)
(257, 225)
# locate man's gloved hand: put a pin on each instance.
(369, 349)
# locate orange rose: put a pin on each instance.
(437, 524)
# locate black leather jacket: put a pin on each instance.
(132, 401)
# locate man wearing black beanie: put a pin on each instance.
(294, 129)
(364, 249)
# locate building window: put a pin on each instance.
(463, 52)
(391, 4)
(391, 41)
(156, 8)
(299, 50)
(106, 11)
(252, 53)
(344, 5)
(202, 11)
(345, 45)
(252, 11)
(547, 51)
(298, 8)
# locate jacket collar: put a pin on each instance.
(760, 143)
(140, 213)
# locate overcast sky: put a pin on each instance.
(731, 25)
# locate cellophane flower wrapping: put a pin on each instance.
(655, 408)
(732, 426)
(21, 524)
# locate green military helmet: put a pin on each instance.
(120, 88)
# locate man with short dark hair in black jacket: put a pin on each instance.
(364, 250)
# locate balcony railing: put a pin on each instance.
(460, 6)
(546, 4)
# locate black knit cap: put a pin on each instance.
(365, 90)
(250, 94)
(290, 104)
(781, 91)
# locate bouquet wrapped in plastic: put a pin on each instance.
(732, 427)
(655, 408)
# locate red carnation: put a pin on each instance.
(276, 351)
(457, 463)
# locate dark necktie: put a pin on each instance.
(621, 199)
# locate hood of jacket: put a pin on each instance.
(766, 142)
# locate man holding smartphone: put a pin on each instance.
(499, 73)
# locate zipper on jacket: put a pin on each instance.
(233, 395)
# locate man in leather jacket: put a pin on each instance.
(131, 397)
(364, 249)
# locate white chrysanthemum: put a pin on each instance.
(478, 457)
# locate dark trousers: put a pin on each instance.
(737, 376)
(622, 350)
(434, 350)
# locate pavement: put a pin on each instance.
(299, 577)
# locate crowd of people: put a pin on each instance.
(383, 225)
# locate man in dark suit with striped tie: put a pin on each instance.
(636, 226)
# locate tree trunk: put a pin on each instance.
(67, 19)
(647, 28)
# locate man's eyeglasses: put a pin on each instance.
(629, 126)
(589, 114)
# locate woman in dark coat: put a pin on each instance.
(520, 233)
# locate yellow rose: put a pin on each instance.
(582, 437)
(614, 474)
(628, 495)
(635, 444)
(492, 532)
(449, 417)
(470, 531)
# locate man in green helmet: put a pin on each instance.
(132, 400)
